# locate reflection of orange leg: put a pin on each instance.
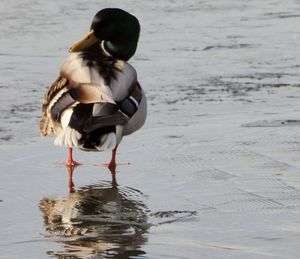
(70, 178)
(112, 165)
(113, 178)
(71, 162)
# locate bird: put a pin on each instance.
(97, 99)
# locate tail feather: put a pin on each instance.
(68, 137)
(72, 138)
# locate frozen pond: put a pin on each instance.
(214, 173)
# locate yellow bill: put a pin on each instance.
(88, 40)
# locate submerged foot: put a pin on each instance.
(72, 163)
(112, 166)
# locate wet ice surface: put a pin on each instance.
(215, 171)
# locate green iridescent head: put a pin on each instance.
(115, 30)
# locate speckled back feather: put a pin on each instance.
(47, 124)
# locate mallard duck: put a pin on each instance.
(96, 100)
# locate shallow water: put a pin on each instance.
(214, 173)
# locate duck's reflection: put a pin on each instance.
(97, 221)
(70, 171)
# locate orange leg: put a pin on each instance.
(71, 162)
